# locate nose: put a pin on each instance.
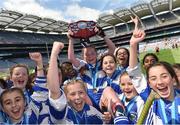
(159, 81)
(77, 96)
(13, 104)
(126, 87)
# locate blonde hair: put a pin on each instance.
(71, 82)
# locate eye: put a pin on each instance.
(164, 76)
(129, 83)
(7, 103)
(152, 79)
(73, 94)
(81, 92)
(122, 84)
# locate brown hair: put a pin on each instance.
(10, 90)
(168, 67)
(28, 85)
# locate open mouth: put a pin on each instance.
(128, 92)
(20, 81)
(16, 112)
(163, 91)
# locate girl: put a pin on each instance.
(19, 75)
(149, 59)
(130, 98)
(108, 63)
(160, 77)
(91, 74)
(122, 57)
(13, 104)
(78, 112)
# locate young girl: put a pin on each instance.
(122, 57)
(130, 98)
(19, 75)
(161, 78)
(108, 63)
(78, 112)
(92, 75)
(13, 104)
(149, 59)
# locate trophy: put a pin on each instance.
(83, 30)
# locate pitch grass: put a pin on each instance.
(170, 55)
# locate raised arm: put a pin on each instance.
(53, 76)
(109, 43)
(37, 58)
(71, 55)
(138, 36)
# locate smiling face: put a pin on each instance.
(76, 95)
(90, 55)
(19, 77)
(108, 65)
(127, 86)
(148, 61)
(13, 105)
(122, 57)
(161, 81)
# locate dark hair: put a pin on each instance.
(63, 67)
(150, 54)
(127, 51)
(10, 90)
(168, 67)
(108, 54)
(66, 62)
(176, 65)
(3, 83)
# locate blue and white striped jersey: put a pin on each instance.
(161, 111)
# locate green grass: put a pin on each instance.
(170, 55)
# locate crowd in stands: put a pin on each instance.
(165, 43)
(12, 37)
(108, 88)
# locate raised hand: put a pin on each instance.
(35, 56)
(138, 34)
(99, 31)
(70, 34)
(57, 47)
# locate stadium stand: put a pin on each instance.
(159, 18)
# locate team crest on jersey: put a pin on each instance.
(133, 116)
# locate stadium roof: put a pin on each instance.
(147, 12)
(21, 22)
(154, 9)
